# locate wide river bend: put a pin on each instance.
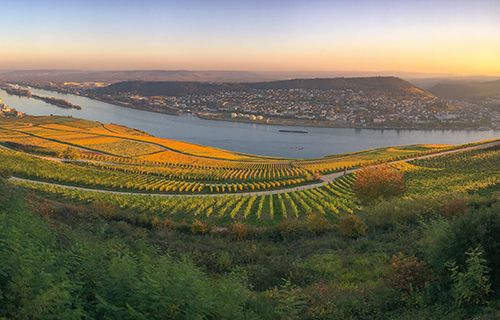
(244, 137)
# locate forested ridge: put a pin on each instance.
(389, 86)
(467, 91)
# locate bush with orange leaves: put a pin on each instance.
(380, 182)
(408, 273)
(239, 230)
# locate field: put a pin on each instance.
(331, 201)
(120, 158)
(253, 238)
(221, 185)
(468, 171)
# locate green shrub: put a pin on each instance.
(290, 229)
(471, 286)
(352, 226)
(55, 272)
(317, 225)
(307, 176)
(36, 276)
(410, 209)
(103, 209)
(224, 262)
(290, 301)
(447, 241)
(157, 223)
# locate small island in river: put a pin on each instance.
(50, 100)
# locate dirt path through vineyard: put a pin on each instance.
(324, 179)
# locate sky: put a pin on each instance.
(438, 36)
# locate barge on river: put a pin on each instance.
(293, 131)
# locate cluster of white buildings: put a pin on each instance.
(3, 106)
(5, 110)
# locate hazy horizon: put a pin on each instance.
(380, 72)
(450, 37)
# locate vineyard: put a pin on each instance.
(272, 229)
(221, 185)
(332, 201)
(119, 158)
(467, 171)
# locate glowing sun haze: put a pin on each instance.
(274, 35)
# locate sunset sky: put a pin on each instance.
(275, 35)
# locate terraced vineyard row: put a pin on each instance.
(96, 177)
(331, 201)
(366, 158)
(203, 174)
(467, 171)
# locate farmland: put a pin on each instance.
(119, 158)
(141, 170)
(331, 201)
(144, 227)
(458, 173)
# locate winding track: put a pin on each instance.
(324, 179)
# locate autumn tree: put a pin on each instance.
(70, 154)
(380, 182)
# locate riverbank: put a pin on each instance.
(282, 121)
(136, 107)
(325, 124)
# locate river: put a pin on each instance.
(244, 137)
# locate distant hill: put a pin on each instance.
(421, 80)
(467, 92)
(61, 76)
(389, 86)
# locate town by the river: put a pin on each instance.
(260, 139)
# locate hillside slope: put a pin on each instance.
(472, 91)
(390, 86)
